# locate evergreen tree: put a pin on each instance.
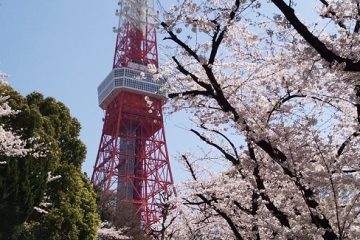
(66, 207)
(73, 214)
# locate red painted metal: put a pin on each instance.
(132, 163)
(133, 45)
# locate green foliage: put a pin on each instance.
(74, 214)
(23, 181)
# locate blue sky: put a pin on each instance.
(64, 49)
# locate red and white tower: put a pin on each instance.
(132, 164)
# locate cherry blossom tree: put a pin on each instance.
(108, 232)
(279, 100)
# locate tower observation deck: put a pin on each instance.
(132, 165)
(133, 78)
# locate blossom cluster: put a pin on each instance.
(11, 143)
(294, 168)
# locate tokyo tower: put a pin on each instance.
(132, 164)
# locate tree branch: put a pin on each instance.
(226, 138)
(332, 14)
(277, 213)
(318, 45)
(357, 25)
(217, 38)
(308, 193)
(179, 42)
(192, 93)
(346, 142)
(229, 221)
(281, 101)
(288, 97)
(191, 169)
(182, 69)
(228, 156)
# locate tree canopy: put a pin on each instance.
(44, 194)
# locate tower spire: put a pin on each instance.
(132, 165)
(137, 22)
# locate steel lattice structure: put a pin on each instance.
(132, 163)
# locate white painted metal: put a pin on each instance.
(128, 79)
(141, 13)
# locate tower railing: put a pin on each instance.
(129, 79)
